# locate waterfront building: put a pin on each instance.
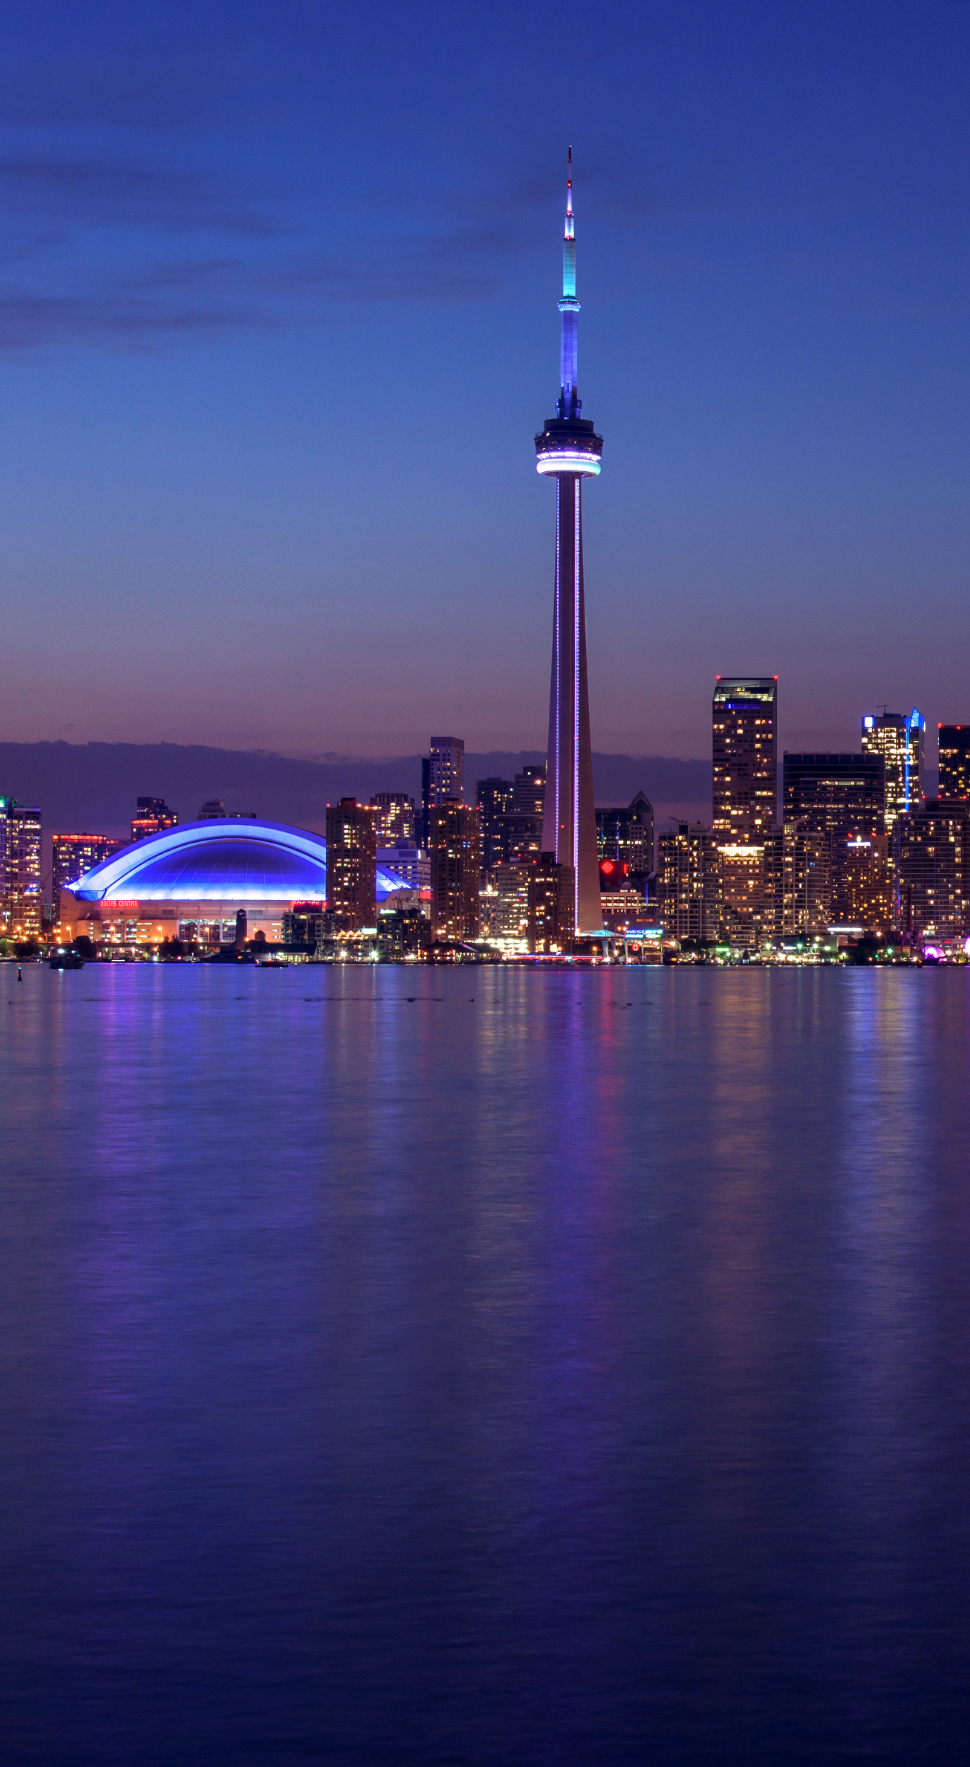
(395, 817)
(305, 925)
(402, 933)
(454, 849)
(954, 740)
(741, 878)
(931, 866)
(867, 897)
(688, 882)
(73, 855)
(201, 874)
(551, 899)
(20, 874)
(744, 724)
(494, 799)
(797, 882)
(624, 835)
(623, 908)
(745, 752)
(901, 742)
(152, 816)
(510, 919)
(838, 795)
(351, 865)
(569, 450)
(199, 931)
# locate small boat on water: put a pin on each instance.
(67, 960)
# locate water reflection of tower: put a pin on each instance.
(569, 450)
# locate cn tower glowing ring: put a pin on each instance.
(579, 460)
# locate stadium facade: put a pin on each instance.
(201, 874)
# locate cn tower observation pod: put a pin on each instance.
(571, 445)
(251, 861)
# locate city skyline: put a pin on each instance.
(241, 255)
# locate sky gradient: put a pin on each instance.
(278, 322)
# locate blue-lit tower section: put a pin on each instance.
(569, 450)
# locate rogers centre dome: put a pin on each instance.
(246, 864)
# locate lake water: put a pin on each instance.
(548, 1368)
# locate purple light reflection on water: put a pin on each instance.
(573, 1372)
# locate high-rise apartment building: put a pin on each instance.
(839, 795)
(20, 876)
(745, 724)
(741, 877)
(351, 865)
(867, 896)
(152, 816)
(551, 905)
(511, 919)
(624, 836)
(442, 777)
(455, 852)
(688, 882)
(569, 450)
(494, 798)
(73, 855)
(931, 870)
(447, 759)
(954, 760)
(901, 742)
(797, 882)
(395, 817)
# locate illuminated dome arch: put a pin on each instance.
(243, 861)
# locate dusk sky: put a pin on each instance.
(278, 324)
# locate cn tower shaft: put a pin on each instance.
(569, 450)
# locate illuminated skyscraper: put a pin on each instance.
(688, 882)
(455, 852)
(745, 782)
(745, 724)
(900, 741)
(931, 865)
(442, 777)
(351, 865)
(20, 832)
(494, 797)
(840, 796)
(569, 450)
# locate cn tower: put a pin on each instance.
(569, 450)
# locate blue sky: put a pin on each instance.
(278, 322)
